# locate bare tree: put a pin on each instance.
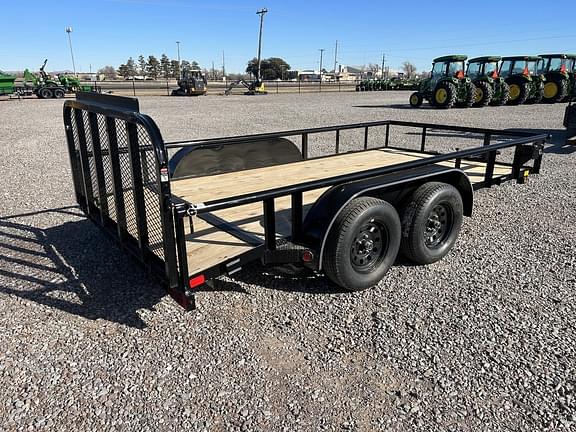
(109, 72)
(409, 69)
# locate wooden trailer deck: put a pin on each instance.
(209, 246)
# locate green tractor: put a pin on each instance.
(560, 73)
(6, 84)
(490, 88)
(47, 87)
(521, 74)
(447, 85)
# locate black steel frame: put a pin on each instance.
(94, 186)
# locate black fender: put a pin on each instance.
(394, 188)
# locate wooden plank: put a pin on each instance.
(210, 246)
(201, 189)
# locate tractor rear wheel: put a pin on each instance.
(555, 90)
(538, 94)
(518, 93)
(484, 94)
(503, 96)
(415, 100)
(444, 95)
(470, 95)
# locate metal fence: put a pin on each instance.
(165, 87)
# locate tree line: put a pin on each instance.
(150, 67)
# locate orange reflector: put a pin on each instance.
(459, 74)
(563, 68)
(197, 281)
(307, 256)
(526, 71)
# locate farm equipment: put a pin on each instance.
(6, 84)
(560, 73)
(222, 203)
(191, 83)
(253, 87)
(490, 88)
(47, 87)
(522, 76)
(447, 85)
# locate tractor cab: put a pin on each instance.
(560, 73)
(448, 66)
(483, 67)
(522, 73)
(447, 86)
(490, 88)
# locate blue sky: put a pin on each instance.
(107, 32)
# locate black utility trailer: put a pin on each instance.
(219, 204)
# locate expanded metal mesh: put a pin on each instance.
(147, 168)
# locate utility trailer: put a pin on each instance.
(218, 204)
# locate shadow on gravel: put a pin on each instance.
(75, 268)
(309, 283)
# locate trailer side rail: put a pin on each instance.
(120, 171)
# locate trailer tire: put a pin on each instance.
(362, 244)
(431, 222)
(59, 93)
(45, 93)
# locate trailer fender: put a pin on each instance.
(222, 158)
(394, 188)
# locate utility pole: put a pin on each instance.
(223, 66)
(335, 58)
(213, 72)
(261, 12)
(178, 45)
(383, 62)
(321, 54)
(69, 30)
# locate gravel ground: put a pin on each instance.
(483, 340)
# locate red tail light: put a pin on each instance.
(197, 281)
(307, 256)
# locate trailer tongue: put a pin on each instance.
(216, 207)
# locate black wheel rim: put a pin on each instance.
(438, 225)
(369, 246)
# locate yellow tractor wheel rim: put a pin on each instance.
(414, 99)
(550, 90)
(479, 94)
(441, 95)
(514, 91)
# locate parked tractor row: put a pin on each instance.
(494, 80)
(388, 84)
(42, 85)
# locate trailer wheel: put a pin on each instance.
(59, 93)
(362, 244)
(45, 93)
(431, 222)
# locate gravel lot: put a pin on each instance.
(483, 340)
